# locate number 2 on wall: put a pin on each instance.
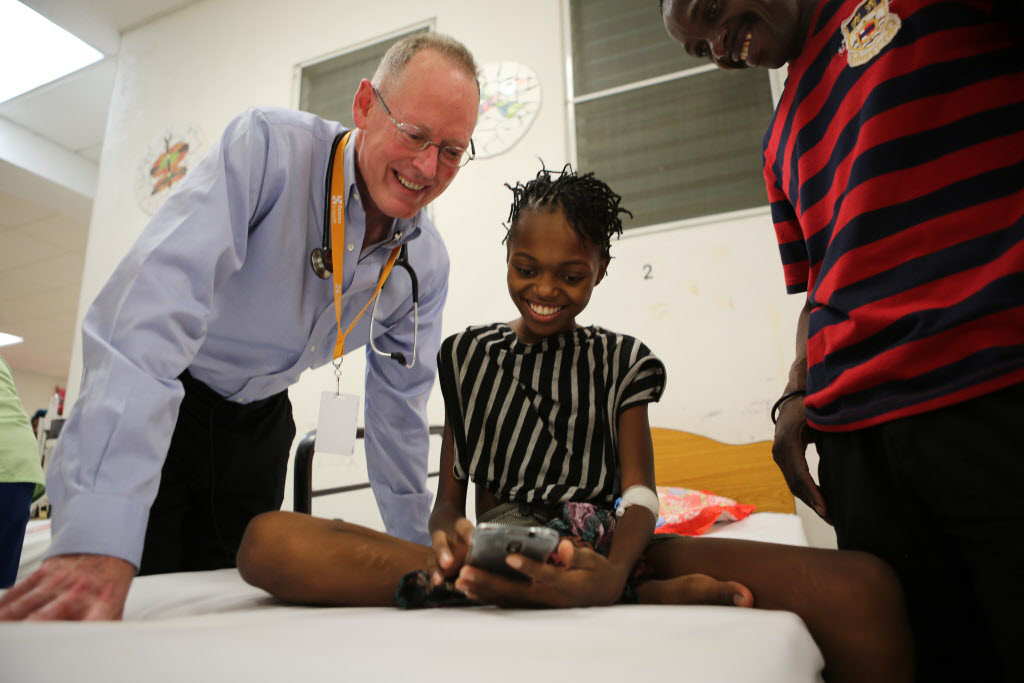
(648, 271)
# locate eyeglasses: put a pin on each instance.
(416, 140)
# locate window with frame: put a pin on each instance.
(326, 88)
(677, 137)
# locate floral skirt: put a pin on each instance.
(585, 524)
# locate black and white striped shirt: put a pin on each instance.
(538, 422)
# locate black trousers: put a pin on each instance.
(15, 501)
(227, 463)
(940, 496)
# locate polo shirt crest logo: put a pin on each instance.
(869, 29)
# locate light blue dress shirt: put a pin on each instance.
(219, 283)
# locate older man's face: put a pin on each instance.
(433, 95)
(735, 34)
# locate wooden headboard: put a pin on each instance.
(744, 473)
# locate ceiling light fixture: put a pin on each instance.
(8, 339)
(42, 51)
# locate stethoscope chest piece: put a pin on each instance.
(320, 260)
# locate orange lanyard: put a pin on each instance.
(337, 214)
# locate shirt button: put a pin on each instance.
(313, 347)
(351, 246)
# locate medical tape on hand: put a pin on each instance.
(639, 495)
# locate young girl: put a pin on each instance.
(549, 419)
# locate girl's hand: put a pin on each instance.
(450, 549)
(585, 578)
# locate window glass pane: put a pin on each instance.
(615, 42)
(686, 148)
(327, 87)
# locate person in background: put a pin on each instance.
(182, 430)
(36, 417)
(21, 475)
(895, 171)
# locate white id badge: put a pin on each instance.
(336, 428)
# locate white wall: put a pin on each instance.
(715, 310)
(35, 390)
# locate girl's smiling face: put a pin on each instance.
(552, 271)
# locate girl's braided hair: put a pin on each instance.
(590, 206)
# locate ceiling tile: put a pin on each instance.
(52, 330)
(58, 231)
(66, 269)
(41, 359)
(34, 304)
(15, 211)
(18, 250)
(13, 285)
(37, 275)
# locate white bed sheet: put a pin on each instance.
(211, 626)
(37, 540)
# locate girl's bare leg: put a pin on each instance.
(310, 560)
(851, 602)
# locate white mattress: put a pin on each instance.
(211, 626)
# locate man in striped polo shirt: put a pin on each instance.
(895, 171)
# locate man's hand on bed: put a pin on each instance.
(71, 587)
(585, 579)
(792, 437)
(450, 549)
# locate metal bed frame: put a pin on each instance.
(302, 487)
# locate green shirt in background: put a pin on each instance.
(19, 456)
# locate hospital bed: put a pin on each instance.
(212, 626)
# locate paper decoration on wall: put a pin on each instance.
(509, 101)
(168, 159)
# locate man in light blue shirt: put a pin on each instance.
(215, 311)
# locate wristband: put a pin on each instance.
(782, 399)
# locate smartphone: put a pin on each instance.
(493, 542)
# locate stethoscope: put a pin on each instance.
(323, 266)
